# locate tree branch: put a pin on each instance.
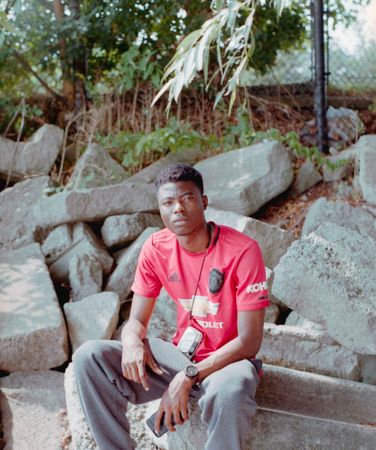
(22, 60)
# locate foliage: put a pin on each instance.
(239, 37)
(292, 141)
(136, 150)
(91, 36)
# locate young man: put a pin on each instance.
(216, 277)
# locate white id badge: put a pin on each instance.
(189, 342)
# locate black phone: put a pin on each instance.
(150, 424)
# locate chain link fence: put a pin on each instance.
(349, 77)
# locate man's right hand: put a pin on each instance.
(136, 356)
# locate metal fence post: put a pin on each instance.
(320, 85)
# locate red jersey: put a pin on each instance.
(232, 279)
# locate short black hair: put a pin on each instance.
(179, 172)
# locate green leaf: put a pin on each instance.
(165, 88)
(188, 41)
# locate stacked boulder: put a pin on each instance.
(68, 262)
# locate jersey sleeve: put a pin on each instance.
(251, 285)
(146, 280)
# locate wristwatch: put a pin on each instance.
(191, 372)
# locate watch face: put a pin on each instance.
(191, 371)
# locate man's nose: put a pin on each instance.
(178, 207)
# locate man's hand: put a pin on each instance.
(174, 403)
(136, 356)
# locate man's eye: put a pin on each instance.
(167, 203)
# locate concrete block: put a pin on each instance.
(32, 328)
(121, 279)
(94, 317)
(31, 403)
(245, 179)
(84, 242)
(95, 204)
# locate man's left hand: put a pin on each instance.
(174, 403)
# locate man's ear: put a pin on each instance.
(205, 201)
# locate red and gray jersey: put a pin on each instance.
(232, 279)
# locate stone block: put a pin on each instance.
(150, 173)
(243, 180)
(33, 157)
(316, 395)
(58, 241)
(340, 213)
(345, 161)
(93, 317)
(273, 240)
(96, 168)
(31, 404)
(119, 230)
(272, 313)
(17, 223)
(367, 171)
(309, 350)
(121, 279)
(306, 177)
(95, 204)
(163, 321)
(32, 328)
(329, 277)
(84, 242)
(295, 320)
(85, 276)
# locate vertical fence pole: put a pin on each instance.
(320, 87)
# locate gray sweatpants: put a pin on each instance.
(226, 397)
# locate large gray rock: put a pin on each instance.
(31, 404)
(163, 321)
(273, 240)
(90, 205)
(344, 126)
(309, 350)
(121, 279)
(340, 213)
(339, 165)
(57, 242)
(17, 223)
(96, 168)
(329, 277)
(243, 180)
(306, 177)
(84, 242)
(33, 157)
(85, 276)
(367, 169)
(119, 230)
(93, 317)
(295, 320)
(150, 173)
(32, 327)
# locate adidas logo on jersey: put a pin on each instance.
(173, 277)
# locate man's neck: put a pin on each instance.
(198, 242)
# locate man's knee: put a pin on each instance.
(229, 389)
(91, 352)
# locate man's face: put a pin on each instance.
(182, 207)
